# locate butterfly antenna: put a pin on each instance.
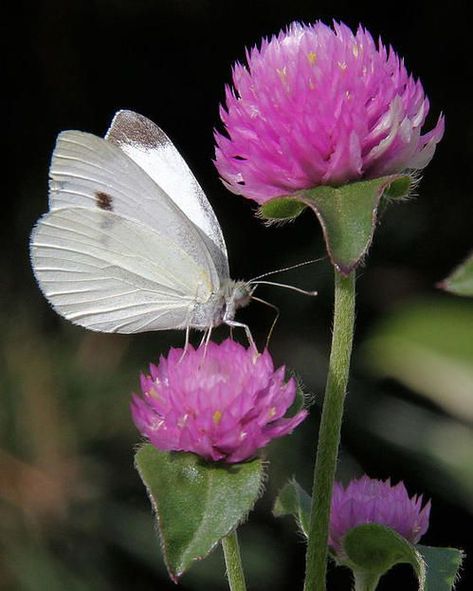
(286, 269)
(291, 287)
(270, 333)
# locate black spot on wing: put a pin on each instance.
(104, 201)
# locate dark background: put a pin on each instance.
(73, 513)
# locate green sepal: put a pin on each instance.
(373, 549)
(293, 500)
(460, 281)
(347, 214)
(196, 503)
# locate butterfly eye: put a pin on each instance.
(242, 296)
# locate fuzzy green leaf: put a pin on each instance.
(196, 503)
(400, 187)
(301, 399)
(460, 281)
(347, 214)
(293, 500)
(442, 565)
(373, 548)
(281, 208)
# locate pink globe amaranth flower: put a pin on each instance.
(321, 106)
(222, 402)
(375, 501)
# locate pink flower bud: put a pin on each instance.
(373, 501)
(317, 105)
(222, 402)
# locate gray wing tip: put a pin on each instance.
(130, 127)
(116, 118)
(124, 117)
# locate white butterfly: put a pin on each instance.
(131, 243)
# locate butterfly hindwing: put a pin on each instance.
(114, 274)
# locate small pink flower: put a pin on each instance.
(222, 402)
(373, 501)
(321, 106)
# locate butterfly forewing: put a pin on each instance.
(114, 274)
(145, 143)
(88, 171)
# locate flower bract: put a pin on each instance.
(319, 105)
(367, 500)
(220, 401)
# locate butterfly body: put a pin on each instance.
(221, 307)
(131, 243)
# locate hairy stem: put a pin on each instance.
(235, 574)
(366, 581)
(329, 432)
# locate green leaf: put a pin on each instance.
(196, 503)
(375, 549)
(442, 565)
(281, 208)
(460, 281)
(348, 217)
(293, 500)
(400, 187)
(347, 214)
(301, 400)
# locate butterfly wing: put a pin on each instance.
(110, 273)
(91, 172)
(146, 144)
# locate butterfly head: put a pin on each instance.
(237, 295)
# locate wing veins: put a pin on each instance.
(105, 235)
(108, 265)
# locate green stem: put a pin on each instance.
(231, 551)
(329, 432)
(365, 581)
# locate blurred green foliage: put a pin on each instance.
(460, 281)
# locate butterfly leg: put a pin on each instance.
(207, 340)
(186, 344)
(249, 336)
(204, 338)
